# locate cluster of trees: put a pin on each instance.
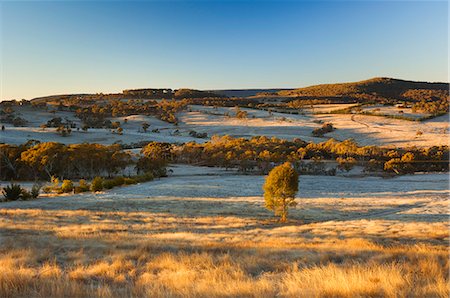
(168, 93)
(261, 153)
(224, 102)
(166, 110)
(96, 115)
(426, 97)
(436, 107)
(426, 94)
(192, 93)
(44, 160)
(7, 114)
(54, 162)
(154, 158)
(33, 161)
(300, 103)
(149, 93)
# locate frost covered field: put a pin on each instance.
(204, 232)
(365, 130)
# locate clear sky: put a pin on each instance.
(87, 47)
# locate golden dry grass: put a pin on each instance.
(89, 253)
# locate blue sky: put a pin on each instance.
(77, 47)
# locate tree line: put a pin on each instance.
(261, 153)
(33, 160)
(96, 115)
(44, 161)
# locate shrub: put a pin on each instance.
(82, 186)
(35, 189)
(144, 177)
(319, 132)
(119, 180)
(47, 189)
(12, 192)
(67, 186)
(26, 195)
(129, 181)
(110, 183)
(97, 184)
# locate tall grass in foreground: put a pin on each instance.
(147, 271)
(86, 253)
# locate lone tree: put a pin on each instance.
(280, 188)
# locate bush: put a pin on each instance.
(47, 189)
(129, 181)
(26, 195)
(110, 183)
(97, 184)
(319, 132)
(82, 186)
(35, 190)
(12, 192)
(119, 181)
(145, 177)
(67, 186)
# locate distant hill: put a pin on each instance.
(245, 92)
(376, 87)
(57, 97)
(379, 89)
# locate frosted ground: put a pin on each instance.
(202, 191)
(366, 130)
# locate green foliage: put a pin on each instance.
(83, 186)
(259, 152)
(67, 186)
(110, 183)
(155, 158)
(144, 177)
(403, 165)
(120, 181)
(280, 188)
(44, 160)
(129, 181)
(97, 184)
(12, 192)
(35, 190)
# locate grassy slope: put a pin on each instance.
(383, 87)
